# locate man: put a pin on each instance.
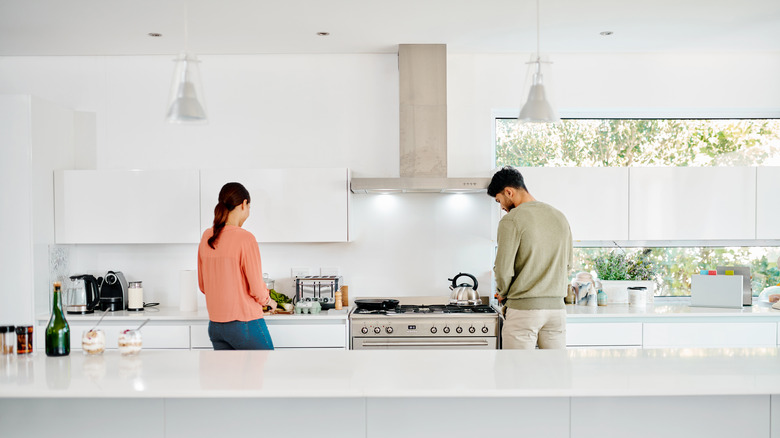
(533, 262)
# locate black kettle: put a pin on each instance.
(464, 294)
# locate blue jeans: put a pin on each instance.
(240, 335)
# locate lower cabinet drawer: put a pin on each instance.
(710, 334)
(152, 336)
(604, 334)
(288, 335)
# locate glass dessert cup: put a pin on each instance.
(129, 342)
(93, 342)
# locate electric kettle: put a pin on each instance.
(464, 294)
(81, 297)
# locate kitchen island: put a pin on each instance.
(572, 393)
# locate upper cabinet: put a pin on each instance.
(767, 205)
(593, 199)
(288, 205)
(95, 206)
(692, 203)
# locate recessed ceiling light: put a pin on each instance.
(154, 34)
(323, 33)
(606, 33)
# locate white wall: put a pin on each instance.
(342, 111)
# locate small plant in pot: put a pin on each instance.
(617, 271)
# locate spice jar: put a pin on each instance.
(7, 339)
(24, 339)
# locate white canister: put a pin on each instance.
(135, 296)
(637, 296)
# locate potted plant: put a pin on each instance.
(617, 271)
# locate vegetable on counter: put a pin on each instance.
(279, 298)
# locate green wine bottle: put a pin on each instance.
(58, 331)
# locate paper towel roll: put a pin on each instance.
(188, 291)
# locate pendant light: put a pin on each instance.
(186, 104)
(537, 108)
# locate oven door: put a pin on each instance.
(471, 343)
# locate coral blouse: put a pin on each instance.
(231, 275)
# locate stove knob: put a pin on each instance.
(434, 330)
(377, 330)
(472, 329)
(364, 330)
(389, 329)
(485, 329)
(459, 330)
(446, 329)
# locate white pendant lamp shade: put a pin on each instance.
(537, 108)
(186, 104)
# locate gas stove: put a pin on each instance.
(430, 326)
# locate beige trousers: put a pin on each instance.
(523, 329)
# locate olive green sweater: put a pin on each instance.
(534, 257)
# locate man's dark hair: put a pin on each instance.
(508, 176)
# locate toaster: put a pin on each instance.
(318, 288)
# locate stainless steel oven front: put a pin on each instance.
(423, 330)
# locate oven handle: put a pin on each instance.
(426, 344)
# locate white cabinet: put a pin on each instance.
(292, 333)
(153, 336)
(598, 334)
(594, 199)
(94, 206)
(767, 205)
(710, 334)
(288, 205)
(692, 203)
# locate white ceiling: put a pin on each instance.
(120, 27)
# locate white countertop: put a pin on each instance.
(162, 313)
(671, 309)
(421, 373)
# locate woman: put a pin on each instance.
(231, 276)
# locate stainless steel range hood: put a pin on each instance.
(423, 122)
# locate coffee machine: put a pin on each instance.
(113, 291)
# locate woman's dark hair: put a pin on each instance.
(508, 176)
(232, 194)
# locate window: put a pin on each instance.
(654, 142)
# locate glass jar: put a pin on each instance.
(269, 282)
(93, 342)
(7, 339)
(24, 339)
(129, 342)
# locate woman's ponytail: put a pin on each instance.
(231, 195)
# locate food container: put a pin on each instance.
(24, 339)
(93, 342)
(129, 342)
(636, 296)
(7, 339)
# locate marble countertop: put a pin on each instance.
(420, 373)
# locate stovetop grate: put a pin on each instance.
(428, 309)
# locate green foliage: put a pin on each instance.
(674, 266)
(617, 265)
(608, 143)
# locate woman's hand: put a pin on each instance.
(272, 304)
